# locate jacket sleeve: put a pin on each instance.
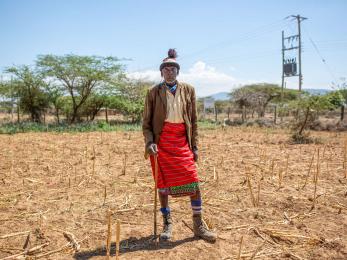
(194, 120)
(147, 128)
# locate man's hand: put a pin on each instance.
(195, 153)
(152, 149)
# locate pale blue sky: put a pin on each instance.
(220, 44)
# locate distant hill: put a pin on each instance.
(317, 91)
(220, 96)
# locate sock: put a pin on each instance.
(165, 211)
(196, 206)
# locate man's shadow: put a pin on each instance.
(132, 244)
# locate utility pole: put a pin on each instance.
(282, 85)
(299, 19)
(289, 66)
(12, 98)
(282, 67)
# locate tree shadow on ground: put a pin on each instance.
(132, 244)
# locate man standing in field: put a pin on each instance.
(170, 131)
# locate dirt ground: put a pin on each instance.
(259, 194)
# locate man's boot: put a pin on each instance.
(201, 231)
(167, 227)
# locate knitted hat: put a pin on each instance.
(170, 60)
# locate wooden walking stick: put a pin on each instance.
(155, 195)
(109, 235)
(117, 239)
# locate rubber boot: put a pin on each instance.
(201, 231)
(167, 228)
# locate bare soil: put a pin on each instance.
(55, 183)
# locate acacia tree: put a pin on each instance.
(8, 98)
(81, 76)
(28, 85)
(93, 105)
(55, 98)
(129, 98)
(307, 107)
(341, 87)
(258, 96)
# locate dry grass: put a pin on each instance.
(56, 184)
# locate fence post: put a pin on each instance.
(106, 114)
(342, 112)
(18, 111)
(243, 113)
(216, 114)
(275, 114)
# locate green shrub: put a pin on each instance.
(24, 127)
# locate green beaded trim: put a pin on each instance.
(186, 188)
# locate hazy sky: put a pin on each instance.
(221, 44)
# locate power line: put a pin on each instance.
(332, 41)
(249, 56)
(321, 56)
(261, 54)
(256, 33)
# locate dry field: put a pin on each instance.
(267, 199)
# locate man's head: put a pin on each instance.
(169, 68)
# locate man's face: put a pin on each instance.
(169, 73)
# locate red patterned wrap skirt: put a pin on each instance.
(177, 173)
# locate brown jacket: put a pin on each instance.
(155, 113)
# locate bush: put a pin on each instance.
(207, 124)
(24, 127)
(263, 122)
(304, 138)
(341, 126)
(324, 125)
(236, 122)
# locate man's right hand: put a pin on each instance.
(152, 149)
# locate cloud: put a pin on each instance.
(151, 75)
(206, 79)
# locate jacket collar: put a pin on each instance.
(162, 92)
